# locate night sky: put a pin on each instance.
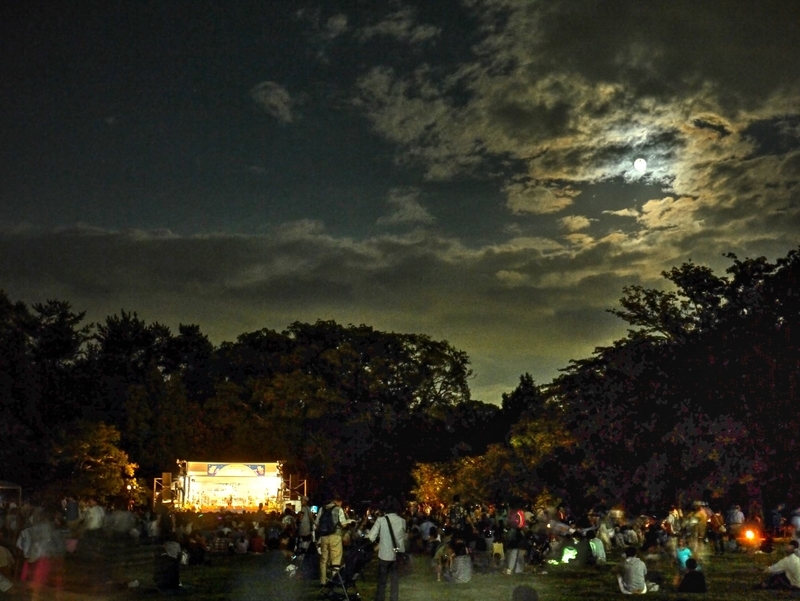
(459, 169)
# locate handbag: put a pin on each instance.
(402, 560)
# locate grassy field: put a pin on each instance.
(729, 577)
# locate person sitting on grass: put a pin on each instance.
(240, 544)
(256, 542)
(693, 580)
(198, 549)
(221, 543)
(631, 575)
(731, 544)
(785, 574)
(597, 551)
(682, 553)
(524, 592)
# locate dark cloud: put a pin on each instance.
(713, 125)
(668, 49)
(777, 135)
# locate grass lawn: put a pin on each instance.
(730, 578)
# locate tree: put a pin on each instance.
(163, 424)
(697, 400)
(57, 348)
(89, 462)
(190, 354)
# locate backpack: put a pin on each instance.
(513, 538)
(458, 516)
(517, 518)
(326, 525)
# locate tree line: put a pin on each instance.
(697, 401)
(84, 405)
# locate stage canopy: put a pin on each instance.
(214, 486)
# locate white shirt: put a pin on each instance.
(425, 529)
(380, 532)
(790, 565)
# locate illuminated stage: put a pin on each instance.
(215, 486)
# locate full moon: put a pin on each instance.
(640, 165)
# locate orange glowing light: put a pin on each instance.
(749, 535)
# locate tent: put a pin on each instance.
(10, 486)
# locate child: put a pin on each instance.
(693, 581)
(682, 553)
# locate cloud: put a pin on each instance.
(483, 299)
(558, 97)
(537, 199)
(573, 223)
(335, 26)
(405, 208)
(401, 25)
(275, 100)
(512, 278)
(546, 100)
(502, 302)
(623, 213)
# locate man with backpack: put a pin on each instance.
(331, 520)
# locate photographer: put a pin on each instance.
(390, 532)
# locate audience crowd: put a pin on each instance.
(456, 540)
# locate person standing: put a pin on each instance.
(514, 548)
(330, 525)
(72, 514)
(93, 518)
(735, 520)
(305, 524)
(776, 519)
(795, 522)
(390, 532)
(717, 531)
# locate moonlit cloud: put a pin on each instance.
(275, 100)
(623, 213)
(573, 223)
(571, 116)
(525, 198)
(401, 25)
(405, 208)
